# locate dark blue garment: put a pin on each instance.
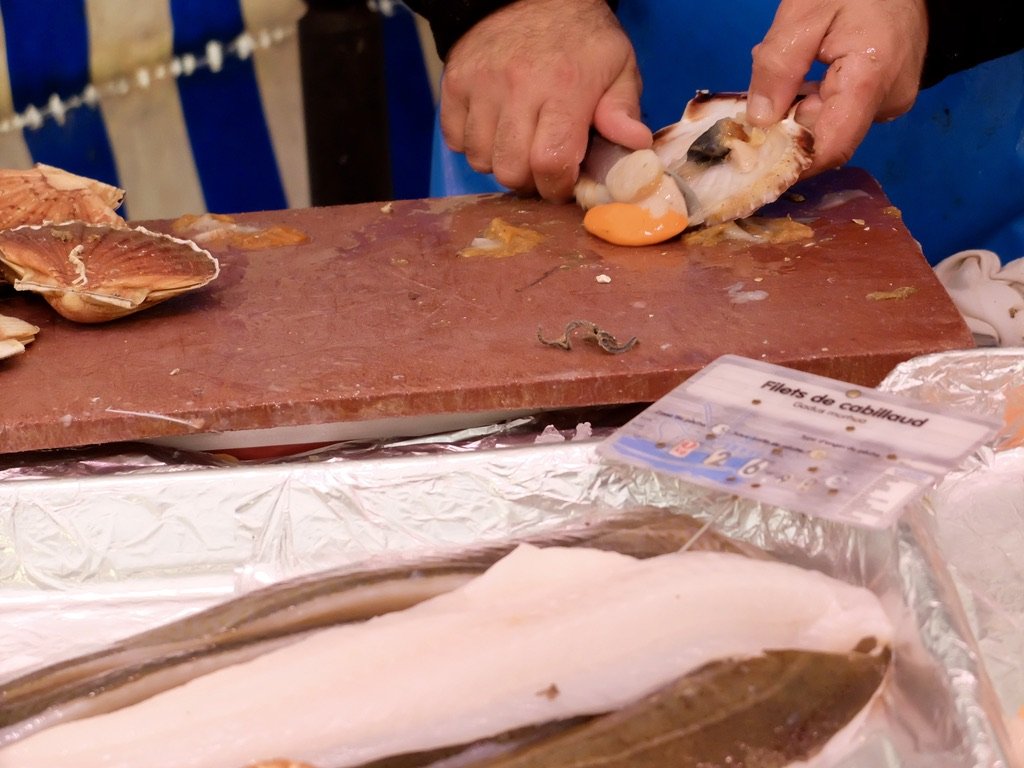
(410, 106)
(954, 164)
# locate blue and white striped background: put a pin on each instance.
(126, 91)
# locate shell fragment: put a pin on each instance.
(14, 335)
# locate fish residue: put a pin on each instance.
(902, 292)
(738, 296)
(501, 240)
(754, 229)
(835, 199)
(220, 229)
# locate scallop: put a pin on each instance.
(709, 168)
(94, 273)
(726, 167)
(628, 196)
(44, 193)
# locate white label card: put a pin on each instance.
(800, 441)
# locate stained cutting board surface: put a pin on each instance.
(378, 317)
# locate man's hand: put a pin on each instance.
(874, 51)
(522, 88)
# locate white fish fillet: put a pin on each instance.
(605, 628)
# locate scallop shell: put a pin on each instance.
(46, 194)
(93, 273)
(727, 168)
(14, 335)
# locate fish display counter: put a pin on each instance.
(436, 601)
(102, 547)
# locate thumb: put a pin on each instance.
(617, 114)
(782, 59)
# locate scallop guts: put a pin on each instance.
(545, 635)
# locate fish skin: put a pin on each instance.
(106, 678)
(437, 713)
(765, 712)
(784, 705)
(127, 671)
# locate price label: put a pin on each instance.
(800, 441)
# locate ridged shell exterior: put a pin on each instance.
(722, 192)
(91, 273)
(46, 194)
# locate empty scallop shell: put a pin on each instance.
(14, 335)
(726, 167)
(46, 194)
(93, 273)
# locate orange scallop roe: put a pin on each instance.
(631, 224)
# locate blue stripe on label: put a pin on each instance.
(48, 53)
(231, 144)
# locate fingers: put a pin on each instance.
(563, 128)
(874, 51)
(873, 75)
(847, 102)
(519, 93)
(558, 148)
(617, 114)
(478, 135)
(453, 111)
(513, 140)
(534, 142)
(783, 58)
(531, 140)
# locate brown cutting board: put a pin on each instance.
(377, 317)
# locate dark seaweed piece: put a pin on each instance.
(588, 330)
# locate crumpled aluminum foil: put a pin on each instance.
(86, 557)
(980, 532)
(983, 381)
(979, 509)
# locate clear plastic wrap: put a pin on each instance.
(99, 546)
(979, 509)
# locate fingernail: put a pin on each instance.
(759, 108)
